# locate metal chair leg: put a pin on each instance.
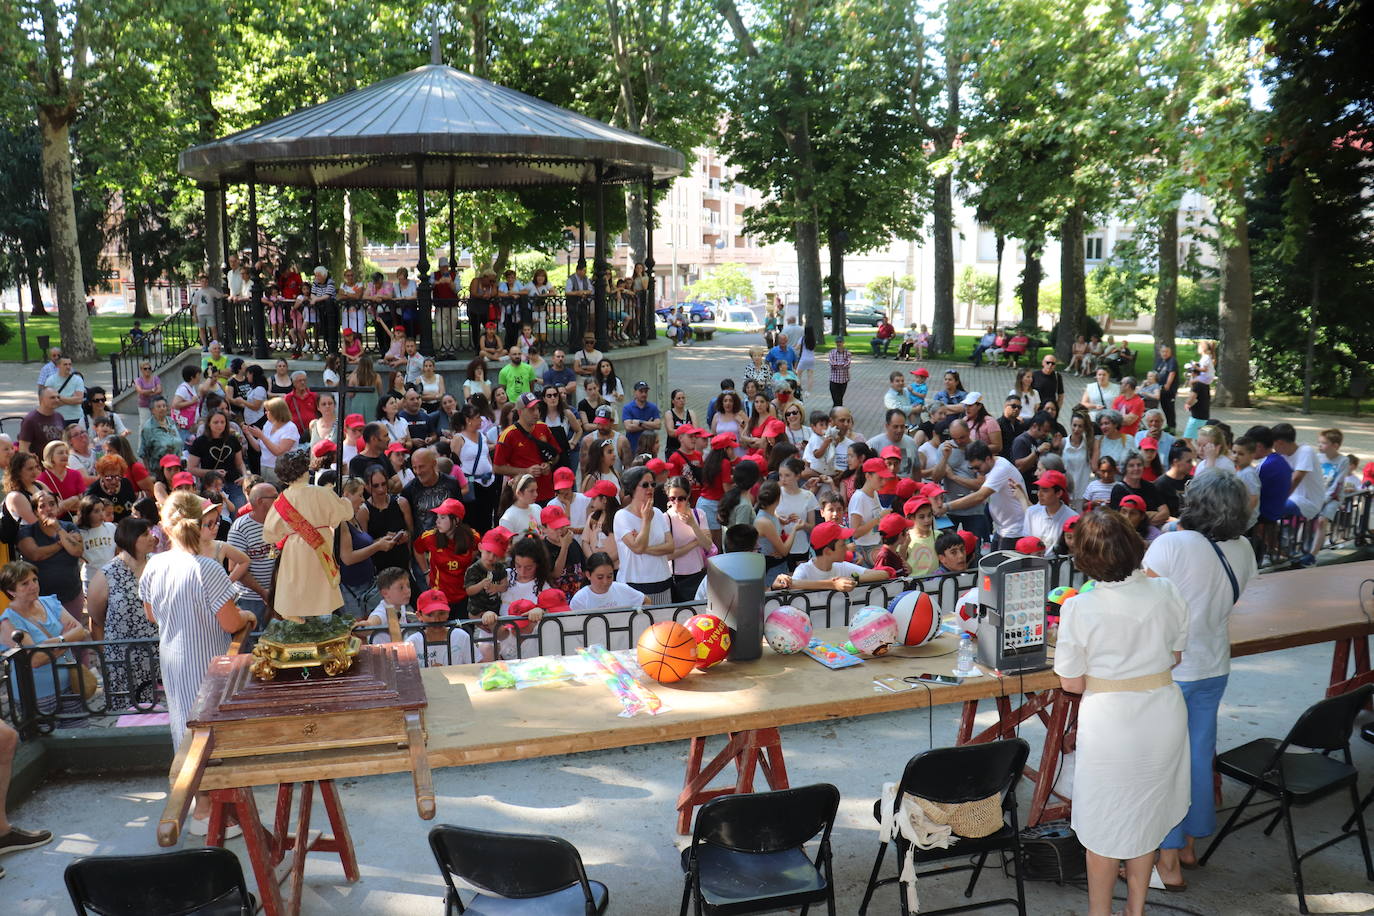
(1273, 822)
(1360, 807)
(873, 878)
(1295, 863)
(1230, 823)
(977, 870)
(686, 894)
(1363, 834)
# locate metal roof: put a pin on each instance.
(470, 132)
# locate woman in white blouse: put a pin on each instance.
(644, 539)
(278, 436)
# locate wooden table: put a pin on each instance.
(747, 702)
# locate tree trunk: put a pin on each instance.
(477, 18)
(213, 252)
(942, 319)
(31, 261)
(1031, 276)
(503, 257)
(809, 276)
(1166, 292)
(634, 221)
(997, 281)
(137, 270)
(69, 286)
(353, 236)
(1233, 358)
(835, 246)
(1072, 302)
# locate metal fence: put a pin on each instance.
(38, 700)
(453, 326)
(1290, 542)
(161, 344)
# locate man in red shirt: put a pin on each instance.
(884, 334)
(1131, 405)
(518, 450)
(303, 404)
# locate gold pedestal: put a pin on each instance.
(334, 656)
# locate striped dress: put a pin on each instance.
(185, 591)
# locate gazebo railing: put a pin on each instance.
(557, 322)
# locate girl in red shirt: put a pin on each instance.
(715, 476)
(445, 552)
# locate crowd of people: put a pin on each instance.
(541, 486)
(346, 313)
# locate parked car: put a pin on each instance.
(737, 318)
(696, 310)
(856, 314)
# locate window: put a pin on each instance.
(987, 244)
(1094, 248)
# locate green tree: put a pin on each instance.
(976, 287)
(885, 289)
(725, 281)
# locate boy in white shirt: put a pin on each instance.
(604, 592)
(393, 584)
(828, 569)
(437, 644)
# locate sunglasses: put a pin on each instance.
(646, 485)
(677, 499)
(145, 367)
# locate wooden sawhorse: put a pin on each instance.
(749, 750)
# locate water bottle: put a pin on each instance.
(963, 662)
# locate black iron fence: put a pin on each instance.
(158, 346)
(447, 328)
(1294, 542)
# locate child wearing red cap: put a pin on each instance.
(893, 529)
(866, 509)
(1046, 520)
(438, 644)
(921, 555)
(445, 553)
(828, 568)
(567, 562)
(484, 582)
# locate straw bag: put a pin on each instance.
(970, 820)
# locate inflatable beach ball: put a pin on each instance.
(1061, 594)
(872, 630)
(918, 617)
(1087, 586)
(713, 639)
(787, 629)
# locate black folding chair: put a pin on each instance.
(1367, 733)
(528, 873)
(952, 775)
(207, 881)
(1297, 779)
(748, 852)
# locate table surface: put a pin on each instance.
(467, 725)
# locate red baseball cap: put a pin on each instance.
(183, 479)
(431, 600)
(1135, 502)
(1052, 479)
(931, 490)
(452, 507)
(687, 429)
(827, 533)
(656, 465)
(399, 327)
(914, 504)
(1149, 442)
(970, 542)
(348, 332)
(906, 488)
(553, 600)
(921, 372)
(893, 524)
(724, 440)
(773, 427)
(395, 447)
(552, 516)
(491, 325)
(563, 478)
(354, 421)
(890, 451)
(1030, 545)
(497, 540)
(604, 488)
(877, 466)
(603, 420)
(521, 608)
(323, 447)
(170, 461)
(1069, 523)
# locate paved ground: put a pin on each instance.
(616, 805)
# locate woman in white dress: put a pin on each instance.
(1118, 643)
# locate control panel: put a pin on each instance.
(1011, 631)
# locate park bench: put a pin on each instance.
(703, 331)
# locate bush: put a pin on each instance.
(6, 332)
(1197, 310)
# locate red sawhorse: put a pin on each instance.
(759, 749)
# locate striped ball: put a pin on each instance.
(918, 617)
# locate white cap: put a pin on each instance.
(973, 397)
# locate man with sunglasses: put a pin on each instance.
(585, 360)
(639, 415)
(527, 446)
(1048, 383)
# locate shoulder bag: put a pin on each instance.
(1230, 574)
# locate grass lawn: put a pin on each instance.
(104, 328)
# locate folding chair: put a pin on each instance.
(748, 852)
(1298, 779)
(952, 775)
(191, 882)
(1367, 733)
(527, 873)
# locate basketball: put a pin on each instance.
(667, 652)
(787, 629)
(872, 630)
(918, 617)
(713, 639)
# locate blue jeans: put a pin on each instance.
(1203, 699)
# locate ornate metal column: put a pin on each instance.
(599, 263)
(314, 227)
(646, 308)
(259, 319)
(423, 289)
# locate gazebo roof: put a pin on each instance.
(471, 133)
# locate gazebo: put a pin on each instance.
(432, 129)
